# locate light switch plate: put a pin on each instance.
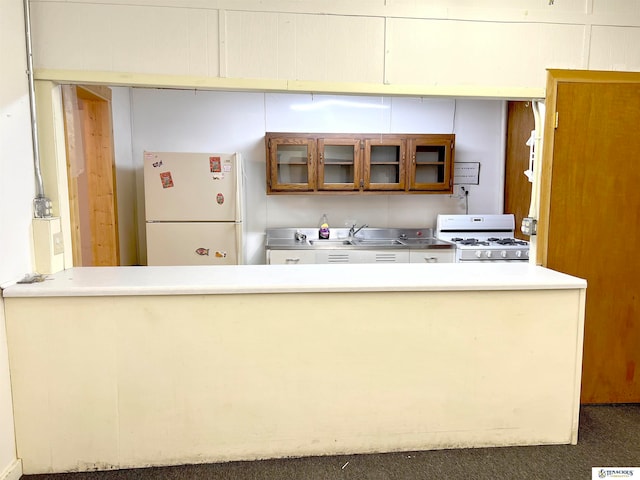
(58, 243)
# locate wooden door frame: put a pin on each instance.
(554, 77)
(104, 248)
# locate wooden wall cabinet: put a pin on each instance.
(339, 163)
(291, 163)
(363, 163)
(385, 158)
(431, 163)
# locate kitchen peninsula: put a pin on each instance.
(139, 366)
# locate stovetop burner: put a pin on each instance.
(507, 241)
(491, 241)
(470, 241)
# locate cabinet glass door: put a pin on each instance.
(431, 163)
(338, 164)
(384, 164)
(291, 164)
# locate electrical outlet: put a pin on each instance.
(459, 191)
(529, 226)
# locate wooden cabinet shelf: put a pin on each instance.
(363, 163)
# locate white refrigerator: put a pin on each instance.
(193, 208)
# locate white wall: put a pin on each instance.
(186, 120)
(17, 187)
(384, 44)
(16, 196)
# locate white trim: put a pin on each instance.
(268, 85)
(13, 471)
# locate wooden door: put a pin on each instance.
(91, 175)
(517, 188)
(591, 228)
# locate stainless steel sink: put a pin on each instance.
(305, 238)
(372, 242)
(368, 242)
(331, 243)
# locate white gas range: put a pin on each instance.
(483, 238)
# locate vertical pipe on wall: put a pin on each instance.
(41, 204)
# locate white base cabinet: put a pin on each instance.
(299, 257)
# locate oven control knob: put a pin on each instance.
(519, 254)
(488, 254)
(503, 254)
(526, 253)
(478, 254)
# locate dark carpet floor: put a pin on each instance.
(609, 435)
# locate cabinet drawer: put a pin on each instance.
(432, 256)
(290, 257)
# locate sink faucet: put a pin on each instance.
(353, 230)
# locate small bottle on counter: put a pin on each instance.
(323, 232)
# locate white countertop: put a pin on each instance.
(243, 279)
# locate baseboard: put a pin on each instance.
(13, 471)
